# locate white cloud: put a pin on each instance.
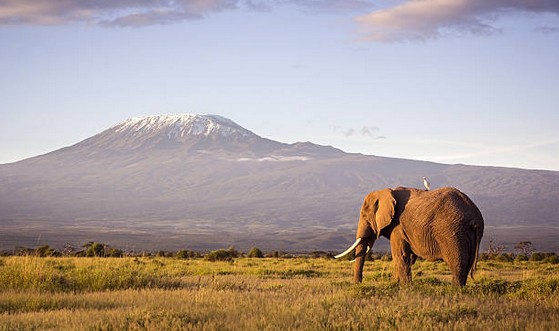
(369, 131)
(427, 19)
(144, 12)
(365, 131)
(120, 13)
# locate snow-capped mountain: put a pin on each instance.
(203, 181)
(179, 127)
(178, 132)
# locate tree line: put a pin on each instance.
(523, 251)
(97, 249)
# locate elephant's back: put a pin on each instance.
(461, 202)
(447, 206)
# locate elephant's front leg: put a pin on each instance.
(401, 256)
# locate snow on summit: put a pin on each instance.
(176, 126)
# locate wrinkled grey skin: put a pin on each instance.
(441, 224)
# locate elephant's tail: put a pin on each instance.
(478, 230)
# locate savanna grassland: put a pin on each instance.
(161, 293)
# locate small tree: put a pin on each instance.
(495, 249)
(255, 253)
(94, 249)
(68, 249)
(524, 247)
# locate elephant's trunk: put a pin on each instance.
(360, 255)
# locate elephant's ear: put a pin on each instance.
(384, 210)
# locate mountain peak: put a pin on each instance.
(177, 126)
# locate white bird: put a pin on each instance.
(426, 183)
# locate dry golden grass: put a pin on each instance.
(269, 294)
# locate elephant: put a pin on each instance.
(439, 224)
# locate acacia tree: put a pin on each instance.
(495, 249)
(524, 247)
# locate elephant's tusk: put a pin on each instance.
(347, 251)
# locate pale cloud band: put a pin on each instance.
(428, 19)
(410, 20)
(146, 12)
(117, 13)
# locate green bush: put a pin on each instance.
(185, 254)
(45, 251)
(547, 257)
(114, 252)
(94, 249)
(553, 259)
(255, 253)
(536, 256)
(222, 255)
(504, 257)
(521, 257)
(494, 287)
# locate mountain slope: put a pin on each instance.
(202, 181)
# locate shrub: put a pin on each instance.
(387, 257)
(374, 256)
(23, 251)
(185, 254)
(494, 287)
(278, 254)
(553, 259)
(504, 257)
(94, 249)
(521, 257)
(45, 251)
(222, 255)
(539, 256)
(274, 254)
(536, 256)
(484, 257)
(114, 252)
(321, 254)
(255, 253)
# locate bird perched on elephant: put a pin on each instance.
(439, 224)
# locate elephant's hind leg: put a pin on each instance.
(459, 265)
(460, 277)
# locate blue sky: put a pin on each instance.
(451, 81)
